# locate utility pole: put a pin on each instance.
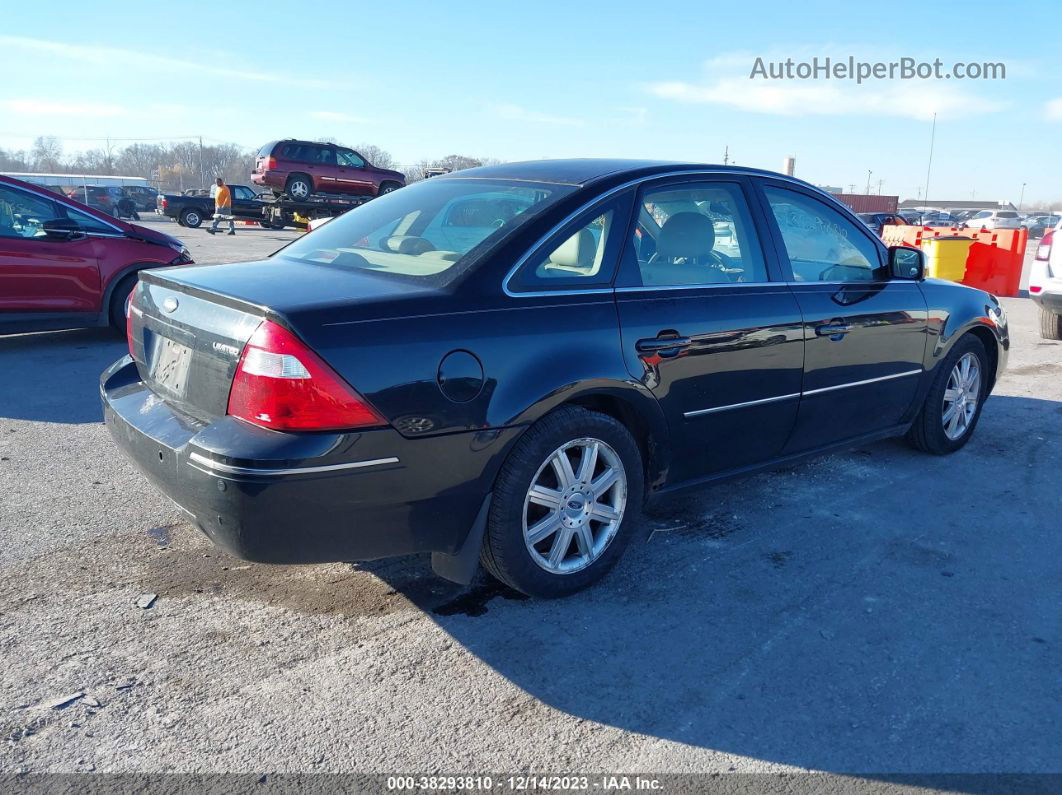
(869, 172)
(202, 174)
(1021, 198)
(726, 154)
(851, 187)
(880, 183)
(929, 165)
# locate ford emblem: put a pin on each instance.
(169, 304)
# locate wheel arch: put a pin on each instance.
(638, 411)
(116, 279)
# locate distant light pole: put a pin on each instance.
(869, 172)
(1021, 198)
(929, 165)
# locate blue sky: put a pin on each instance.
(558, 79)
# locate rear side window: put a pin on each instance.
(823, 245)
(267, 150)
(575, 259)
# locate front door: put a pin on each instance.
(709, 326)
(352, 176)
(865, 335)
(39, 274)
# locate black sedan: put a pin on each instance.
(501, 364)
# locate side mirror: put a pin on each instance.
(907, 263)
(62, 229)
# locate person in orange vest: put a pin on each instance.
(222, 207)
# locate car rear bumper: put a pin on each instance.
(1049, 298)
(268, 180)
(304, 498)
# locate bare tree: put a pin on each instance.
(376, 155)
(47, 153)
(14, 161)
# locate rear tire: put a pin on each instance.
(388, 187)
(191, 218)
(119, 298)
(299, 187)
(1050, 325)
(934, 430)
(594, 516)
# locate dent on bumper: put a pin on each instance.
(304, 498)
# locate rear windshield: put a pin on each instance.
(430, 231)
(1006, 214)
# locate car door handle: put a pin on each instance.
(665, 346)
(835, 330)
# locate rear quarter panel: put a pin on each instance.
(535, 355)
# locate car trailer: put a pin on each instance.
(284, 211)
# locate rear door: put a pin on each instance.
(865, 335)
(39, 274)
(709, 326)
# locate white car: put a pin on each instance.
(1045, 283)
(993, 219)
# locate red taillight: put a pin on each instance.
(165, 204)
(271, 164)
(1035, 288)
(1043, 251)
(281, 384)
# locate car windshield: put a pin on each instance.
(432, 230)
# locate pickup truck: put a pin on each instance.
(192, 210)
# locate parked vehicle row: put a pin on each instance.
(64, 264)
(501, 366)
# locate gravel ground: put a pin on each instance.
(877, 610)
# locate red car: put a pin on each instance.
(302, 168)
(64, 264)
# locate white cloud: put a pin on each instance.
(726, 82)
(47, 107)
(113, 56)
(513, 112)
(1053, 109)
(336, 116)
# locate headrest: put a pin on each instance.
(686, 235)
(576, 252)
(407, 244)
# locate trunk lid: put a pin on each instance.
(188, 326)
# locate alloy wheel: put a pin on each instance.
(962, 396)
(574, 506)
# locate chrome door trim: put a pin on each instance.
(778, 398)
(820, 390)
(229, 469)
(759, 402)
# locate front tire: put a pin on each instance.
(954, 402)
(1050, 325)
(119, 299)
(565, 504)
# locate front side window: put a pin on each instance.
(696, 234)
(349, 159)
(24, 214)
(823, 245)
(431, 231)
